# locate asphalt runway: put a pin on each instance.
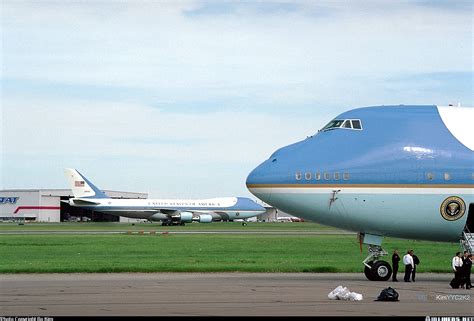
(224, 294)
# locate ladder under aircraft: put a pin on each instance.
(467, 240)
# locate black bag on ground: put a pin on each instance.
(388, 294)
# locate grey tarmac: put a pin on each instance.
(224, 294)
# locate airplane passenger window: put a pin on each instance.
(298, 176)
(318, 176)
(447, 176)
(326, 176)
(307, 176)
(356, 124)
(430, 176)
(345, 176)
(336, 176)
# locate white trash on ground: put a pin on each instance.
(343, 293)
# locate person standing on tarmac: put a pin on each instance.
(466, 270)
(457, 266)
(416, 261)
(395, 260)
(408, 261)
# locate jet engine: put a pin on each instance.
(158, 217)
(177, 218)
(203, 218)
(184, 217)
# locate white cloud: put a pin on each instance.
(156, 45)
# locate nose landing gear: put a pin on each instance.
(375, 269)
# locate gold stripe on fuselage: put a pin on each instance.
(361, 185)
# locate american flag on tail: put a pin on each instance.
(79, 183)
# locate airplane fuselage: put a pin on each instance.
(228, 207)
(169, 211)
(400, 171)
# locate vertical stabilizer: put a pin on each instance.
(81, 186)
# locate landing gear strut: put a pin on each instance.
(375, 269)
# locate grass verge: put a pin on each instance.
(203, 253)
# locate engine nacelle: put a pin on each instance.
(158, 217)
(185, 217)
(203, 218)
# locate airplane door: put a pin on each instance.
(470, 218)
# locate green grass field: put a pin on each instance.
(199, 252)
(221, 226)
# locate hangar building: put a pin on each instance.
(44, 205)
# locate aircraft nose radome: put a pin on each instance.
(249, 204)
(250, 178)
(260, 208)
(257, 175)
(260, 176)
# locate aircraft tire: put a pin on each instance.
(381, 270)
(369, 273)
(244, 223)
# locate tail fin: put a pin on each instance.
(81, 186)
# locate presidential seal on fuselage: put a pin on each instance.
(452, 208)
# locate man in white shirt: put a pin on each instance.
(409, 265)
(457, 268)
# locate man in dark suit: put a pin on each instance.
(395, 260)
(416, 261)
(466, 270)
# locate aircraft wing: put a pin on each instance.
(189, 215)
(168, 211)
(216, 215)
(173, 212)
(169, 215)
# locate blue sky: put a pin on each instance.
(185, 98)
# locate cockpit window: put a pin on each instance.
(347, 124)
(343, 123)
(336, 123)
(356, 124)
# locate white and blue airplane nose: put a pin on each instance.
(248, 208)
(259, 175)
(262, 178)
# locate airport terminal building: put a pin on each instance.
(44, 205)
